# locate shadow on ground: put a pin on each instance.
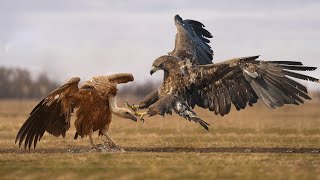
(278, 150)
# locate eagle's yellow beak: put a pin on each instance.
(153, 70)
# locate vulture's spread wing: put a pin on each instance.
(120, 78)
(192, 41)
(243, 81)
(52, 114)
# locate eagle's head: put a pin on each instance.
(178, 20)
(165, 63)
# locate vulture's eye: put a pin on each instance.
(127, 112)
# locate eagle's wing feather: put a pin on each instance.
(243, 81)
(52, 114)
(192, 42)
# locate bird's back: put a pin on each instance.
(94, 112)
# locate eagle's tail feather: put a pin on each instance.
(185, 111)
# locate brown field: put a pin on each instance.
(256, 143)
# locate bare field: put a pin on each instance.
(255, 143)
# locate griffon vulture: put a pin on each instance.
(190, 78)
(95, 100)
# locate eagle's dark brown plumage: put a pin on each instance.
(95, 100)
(191, 79)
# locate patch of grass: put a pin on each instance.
(257, 127)
(162, 165)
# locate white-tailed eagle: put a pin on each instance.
(190, 78)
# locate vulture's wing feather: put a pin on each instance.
(120, 78)
(243, 81)
(52, 114)
(192, 41)
(169, 102)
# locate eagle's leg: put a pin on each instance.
(150, 99)
(92, 143)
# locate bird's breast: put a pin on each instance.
(172, 85)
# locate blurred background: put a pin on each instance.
(44, 43)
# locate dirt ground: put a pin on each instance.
(256, 143)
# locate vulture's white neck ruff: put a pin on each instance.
(114, 107)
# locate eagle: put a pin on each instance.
(95, 101)
(190, 79)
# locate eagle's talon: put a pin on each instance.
(141, 115)
(132, 107)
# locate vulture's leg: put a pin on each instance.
(112, 144)
(92, 143)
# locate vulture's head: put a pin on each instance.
(165, 63)
(128, 114)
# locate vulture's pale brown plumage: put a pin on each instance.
(95, 101)
(190, 78)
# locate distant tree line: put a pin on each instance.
(137, 89)
(17, 83)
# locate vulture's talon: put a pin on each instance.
(109, 144)
(98, 149)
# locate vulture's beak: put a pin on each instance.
(153, 70)
(133, 118)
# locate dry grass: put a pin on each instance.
(256, 143)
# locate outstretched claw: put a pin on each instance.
(132, 107)
(141, 115)
(135, 108)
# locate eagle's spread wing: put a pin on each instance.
(242, 81)
(52, 114)
(192, 41)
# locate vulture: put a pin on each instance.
(190, 79)
(95, 101)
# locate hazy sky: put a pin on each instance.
(83, 38)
